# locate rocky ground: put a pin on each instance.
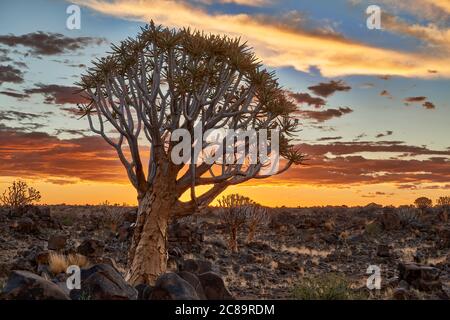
(295, 247)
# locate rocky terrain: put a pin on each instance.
(297, 247)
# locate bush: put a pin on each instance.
(324, 287)
(19, 195)
(257, 217)
(373, 229)
(408, 215)
(233, 213)
(58, 263)
(423, 203)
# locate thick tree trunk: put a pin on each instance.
(148, 252)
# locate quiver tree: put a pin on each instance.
(444, 203)
(257, 217)
(19, 194)
(234, 211)
(169, 79)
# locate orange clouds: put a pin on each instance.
(39, 155)
(280, 46)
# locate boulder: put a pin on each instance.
(171, 286)
(214, 287)
(57, 242)
(196, 266)
(130, 216)
(194, 282)
(144, 291)
(25, 225)
(103, 282)
(124, 231)
(389, 220)
(91, 248)
(384, 250)
(424, 278)
(24, 285)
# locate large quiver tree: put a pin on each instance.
(169, 79)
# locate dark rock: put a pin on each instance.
(144, 291)
(176, 252)
(24, 285)
(214, 287)
(194, 282)
(171, 286)
(91, 248)
(421, 277)
(124, 231)
(389, 220)
(130, 216)
(219, 243)
(384, 250)
(57, 242)
(104, 282)
(209, 254)
(25, 225)
(196, 266)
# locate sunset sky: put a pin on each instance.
(374, 105)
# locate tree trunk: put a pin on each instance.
(147, 258)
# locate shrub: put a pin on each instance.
(257, 216)
(423, 203)
(59, 263)
(112, 215)
(233, 213)
(19, 195)
(324, 287)
(373, 229)
(408, 215)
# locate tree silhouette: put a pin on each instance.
(423, 203)
(19, 195)
(169, 79)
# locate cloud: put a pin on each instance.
(428, 105)
(48, 43)
(340, 163)
(385, 134)
(322, 116)
(10, 74)
(308, 99)
(252, 3)
(326, 89)
(386, 93)
(56, 94)
(10, 115)
(39, 155)
(432, 36)
(329, 138)
(281, 46)
(415, 99)
(13, 94)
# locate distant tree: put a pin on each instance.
(443, 201)
(423, 203)
(169, 79)
(257, 216)
(19, 195)
(234, 213)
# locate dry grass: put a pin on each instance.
(59, 263)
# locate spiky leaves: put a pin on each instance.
(167, 79)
